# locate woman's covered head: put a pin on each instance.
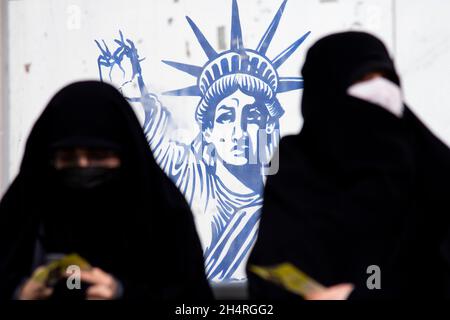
(87, 136)
(337, 61)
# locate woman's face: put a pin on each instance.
(85, 158)
(86, 168)
(238, 120)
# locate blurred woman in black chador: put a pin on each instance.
(365, 183)
(88, 184)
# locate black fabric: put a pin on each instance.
(357, 187)
(136, 226)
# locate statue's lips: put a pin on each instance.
(239, 150)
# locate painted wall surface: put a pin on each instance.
(238, 65)
(3, 154)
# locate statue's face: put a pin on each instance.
(237, 121)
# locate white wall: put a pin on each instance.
(51, 43)
(56, 47)
(423, 59)
(3, 95)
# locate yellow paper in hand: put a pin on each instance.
(289, 277)
(74, 259)
(56, 270)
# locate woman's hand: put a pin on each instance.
(337, 292)
(34, 290)
(103, 286)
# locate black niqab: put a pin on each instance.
(136, 226)
(357, 187)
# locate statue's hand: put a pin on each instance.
(122, 67)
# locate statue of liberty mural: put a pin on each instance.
(221, 172)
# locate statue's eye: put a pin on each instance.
(254, 115)
(225, 115)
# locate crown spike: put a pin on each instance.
(187, 68)
(236, 42)
(206, 46)
(283, 56)
(270, 32)
(188, 91)
(286, 84)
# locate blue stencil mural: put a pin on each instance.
(221, 172)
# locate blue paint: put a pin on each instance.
(221, 172)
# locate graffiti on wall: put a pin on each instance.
(221, 172)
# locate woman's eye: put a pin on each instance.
(99, 155)
(65, 157)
